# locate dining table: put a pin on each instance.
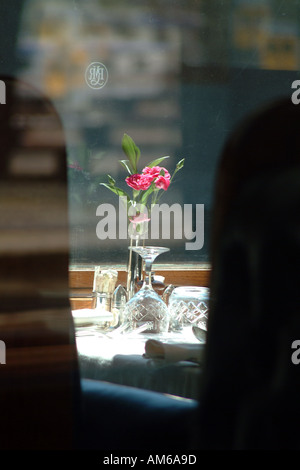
(170, 362)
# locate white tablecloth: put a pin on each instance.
(122, 361)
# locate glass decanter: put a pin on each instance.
(146, 310)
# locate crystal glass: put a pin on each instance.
(146, 310)
(188, 306)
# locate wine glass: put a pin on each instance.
(146, 310)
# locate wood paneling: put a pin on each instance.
(81, 282)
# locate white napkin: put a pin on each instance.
(86, 316)
(174, 352)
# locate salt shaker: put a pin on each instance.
(118, 303)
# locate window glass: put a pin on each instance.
(174, 75)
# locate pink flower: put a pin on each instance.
(155, 172)
(139, 182)
(143, 181)
(162, 182)
(160, 174)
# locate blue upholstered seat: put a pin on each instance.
(121, 417)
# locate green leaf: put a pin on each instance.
(147, 193)
(180, 164)
(178, 167)
(138, 153)
(131, 151)
(156, 162)
(126, 164)
(116, 190)
(135, 193)
(111, 180)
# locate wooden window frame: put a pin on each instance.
(81, 280)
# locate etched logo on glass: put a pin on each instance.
(96, 75)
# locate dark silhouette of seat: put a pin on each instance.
(39, 383)
(250, 397)
(250, 384)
